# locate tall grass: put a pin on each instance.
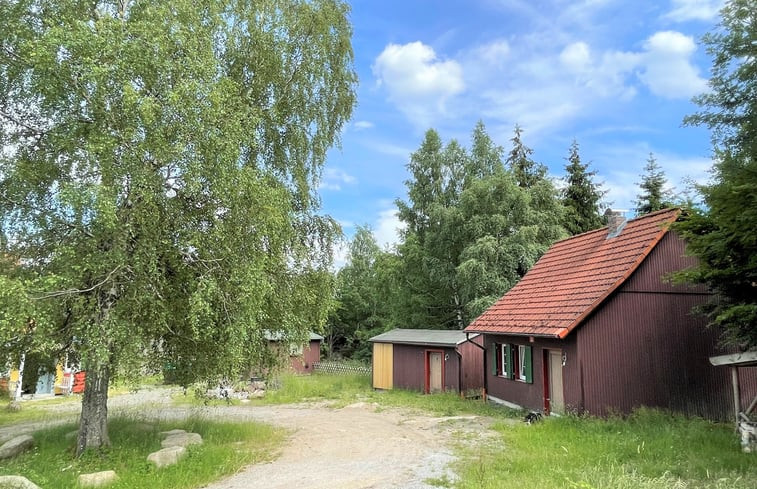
(650, 449)
(226, 448)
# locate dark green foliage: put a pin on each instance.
(722, 233)
(581, 197)
(363, 298)
(723, 236)
(525, 170)
(654, 196)
(729, 108)
(474, 227)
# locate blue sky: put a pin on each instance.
(617, 76)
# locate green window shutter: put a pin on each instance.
(529, 365)
(494, 358)
(509, 361)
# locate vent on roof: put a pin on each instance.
(616, 221)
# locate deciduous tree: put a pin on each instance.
(157, 178)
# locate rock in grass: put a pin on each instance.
(182, 440)
(16, 482)
(14, 406)
(71, 435)
(98, 479)
(16, 446)
(167, 456)
(172, 432)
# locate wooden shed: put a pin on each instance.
(428, 360)
(300, 357)
(595, 327)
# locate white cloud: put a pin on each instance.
(388, 227)
(684, 10)
(334, 178)
(495, 52)
(389, 149)
(417, 81)
(341, 252)
(360, 125)
(576, 57)
(667, 69)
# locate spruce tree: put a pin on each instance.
(525, 170)
(654, 196)
(722, 233)
(581, 196)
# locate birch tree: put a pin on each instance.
(158, 176)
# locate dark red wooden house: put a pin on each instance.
(595, 327)
(427, 360)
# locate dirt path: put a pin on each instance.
(359, 446)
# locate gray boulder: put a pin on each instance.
(172, 432)
(16, 446)
(167, 456)
(98, 479)
(182, 440)
(16, 482)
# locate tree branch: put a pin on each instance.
(78, 291)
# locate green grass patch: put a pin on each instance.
(226, 448)
(36, 410)
(650, 449)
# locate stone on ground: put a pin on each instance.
(172, 432)
(16, 482)
(167, 456)
(182, 440)
(16, 446)
(98, 479)
(14, 406)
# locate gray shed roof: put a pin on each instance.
(275, 336)
(433, 337)
(745, 359)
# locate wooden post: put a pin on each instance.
(736, 394)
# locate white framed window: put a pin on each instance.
(522, 365)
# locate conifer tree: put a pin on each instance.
(581, 196)
(654, 196)
(722, 233)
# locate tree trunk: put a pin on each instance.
(93, 425)
(19, 385)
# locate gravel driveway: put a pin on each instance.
(362, 445)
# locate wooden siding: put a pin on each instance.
(645, 346)
(472, 367)
(531, 396)
(310, 354)
(383, 360)
(410, 367)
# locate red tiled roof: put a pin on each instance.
(573, 278)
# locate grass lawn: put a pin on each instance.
(226, 448)
(649, 449)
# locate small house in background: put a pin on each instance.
(300, 357)
(427, 360)
(595, 327)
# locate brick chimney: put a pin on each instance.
(616, 221)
